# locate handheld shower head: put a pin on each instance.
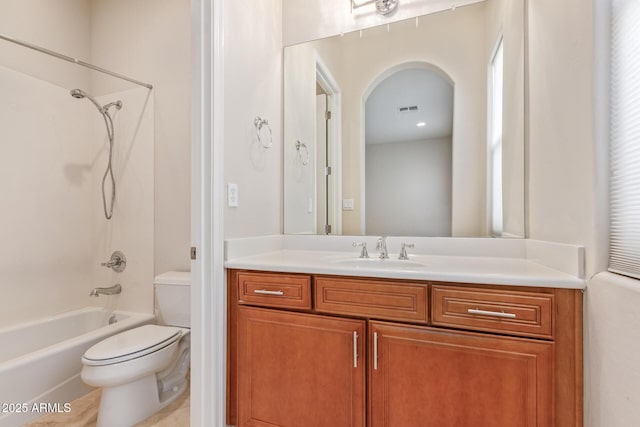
(108, 121)
(79, 94)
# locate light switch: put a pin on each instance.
(347, 204)
(310, 205)
(232, 195)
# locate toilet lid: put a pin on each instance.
(131, 344)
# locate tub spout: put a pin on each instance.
(116, 289)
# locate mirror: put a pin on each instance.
(415, 128)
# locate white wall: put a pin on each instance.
(422, 169)
(299, 125)
(613, 383)
(568, 197)
(253, 87)
(301, 17)
(562, 163)
(62, 25)
(150, 40)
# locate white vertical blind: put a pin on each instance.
(624, 248)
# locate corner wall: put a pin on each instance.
(150, 40)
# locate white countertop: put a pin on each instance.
(495, 270)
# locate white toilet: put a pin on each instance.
(142, 370)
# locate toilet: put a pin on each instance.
(144, 369)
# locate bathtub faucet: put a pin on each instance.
(115, 289)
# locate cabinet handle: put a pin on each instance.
(355, 349)
(375, 351)
(266, 292)
(491, 313)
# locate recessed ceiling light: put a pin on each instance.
(421, 124)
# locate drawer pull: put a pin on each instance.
(375, 351)
(355, 349)
(491, 313)
(266, 292)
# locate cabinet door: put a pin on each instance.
(428, 377)
(298, 370)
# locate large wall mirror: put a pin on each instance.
(415, 128)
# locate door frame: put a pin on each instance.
(334, 104)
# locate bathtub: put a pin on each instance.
(40, 361)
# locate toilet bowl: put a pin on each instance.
(142, 370)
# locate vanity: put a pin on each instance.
(442, 341)
(461, 331)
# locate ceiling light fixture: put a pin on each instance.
(383, 7)
(421, 124)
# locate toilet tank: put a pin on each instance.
(173, 298)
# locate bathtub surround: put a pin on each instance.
(58, 229)
(44, 175)
(49, 265)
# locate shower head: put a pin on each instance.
(79, 94)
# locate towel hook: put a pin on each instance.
(302, 146)
(259, 123)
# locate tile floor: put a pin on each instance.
(84, 413)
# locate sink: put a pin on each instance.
(394, 264)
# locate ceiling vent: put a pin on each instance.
(408, 109)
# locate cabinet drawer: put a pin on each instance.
(519, 313)
(372, 298)
(275, 290)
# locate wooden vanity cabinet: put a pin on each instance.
(436, 354)
(297, 369)
(430, 377)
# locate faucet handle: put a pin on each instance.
(403, 250)
(117, 262)
(363, 252)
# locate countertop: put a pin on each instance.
(447, 268)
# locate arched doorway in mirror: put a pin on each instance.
(408, 138)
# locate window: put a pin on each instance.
(624, 250)
(494, 164)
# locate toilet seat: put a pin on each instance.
(131, 344)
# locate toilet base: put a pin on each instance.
(128, 404)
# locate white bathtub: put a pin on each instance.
(40, 361)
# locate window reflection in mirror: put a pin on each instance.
(494, 166)
(333, 193)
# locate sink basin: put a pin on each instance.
(394, 264)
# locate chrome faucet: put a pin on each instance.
(363, 252)
(403, 250)
(381, 245)
(115, 289)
